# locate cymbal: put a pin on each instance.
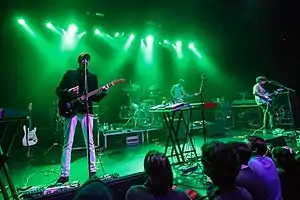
(131, 88)
(154, 87)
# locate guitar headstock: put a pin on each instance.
(30, 107)
(117, 81)
(203, 77)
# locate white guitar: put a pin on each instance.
(30, 138)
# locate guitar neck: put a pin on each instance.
(29, 123)
(90, 94)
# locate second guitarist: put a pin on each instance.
(71, 85)
(264, 101)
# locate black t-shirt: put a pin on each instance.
(249, 180)
(140, 192)
(237, 193)
(289, 184)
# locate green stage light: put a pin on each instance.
(97, 32)
(21, 21)
(131, 37)
(149, 39)
(49, 25)
(178, 43)
(72, 28)
(191, 46)
(117, 34)
(165, 41)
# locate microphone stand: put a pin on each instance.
(202, 112)
(289, 101)
(87, 118)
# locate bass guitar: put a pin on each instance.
(68, 109)
(29, 139)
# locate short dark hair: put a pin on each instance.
(284, 158)
(261, 78)
(242, 150)
(94, 188)
(220, 163)
(258, 145)
(158, 167)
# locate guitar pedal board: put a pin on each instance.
(39, 191)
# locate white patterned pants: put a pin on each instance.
(69, 132)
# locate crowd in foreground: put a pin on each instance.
(236, 171)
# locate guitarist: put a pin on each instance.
(263, 100)
(177, 92)
(72, 85)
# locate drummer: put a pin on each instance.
(134, 94)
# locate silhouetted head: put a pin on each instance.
(243, 151)
(284, 158)
(220, 163)
(94, 189)
(159, 170)
(84, 59)
(181, 81)
(261, 80)
(258, 145)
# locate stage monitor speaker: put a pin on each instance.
(277, 142)
(118, 188)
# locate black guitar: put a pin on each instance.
(68, 109)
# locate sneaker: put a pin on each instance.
(62, 180)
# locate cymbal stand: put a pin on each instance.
(99, 161)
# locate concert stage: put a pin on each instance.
(124, 161)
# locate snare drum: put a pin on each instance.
(126, 112)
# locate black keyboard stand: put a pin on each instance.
(16, 124)
(173, 129)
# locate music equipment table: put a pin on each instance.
(16, 124)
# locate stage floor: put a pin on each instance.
(123, 161)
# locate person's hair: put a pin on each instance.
(157, 166)
(242, 150)
(260, 79)
(258, 145)
(181, 80)
(94, 189)
(284, 158)
(220, 163)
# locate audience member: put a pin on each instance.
(160, 182)
(221, 164)
(94, 189)
(264, 167)
(288, 169)
(247, 178)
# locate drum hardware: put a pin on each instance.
(137, 115)
(59, 122)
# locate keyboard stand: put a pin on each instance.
(173, 129)
(16, 124)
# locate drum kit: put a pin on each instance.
(137, 113)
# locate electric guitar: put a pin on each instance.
(263, 101)
(68, 109)
(29, 138)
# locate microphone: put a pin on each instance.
(85, 61)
